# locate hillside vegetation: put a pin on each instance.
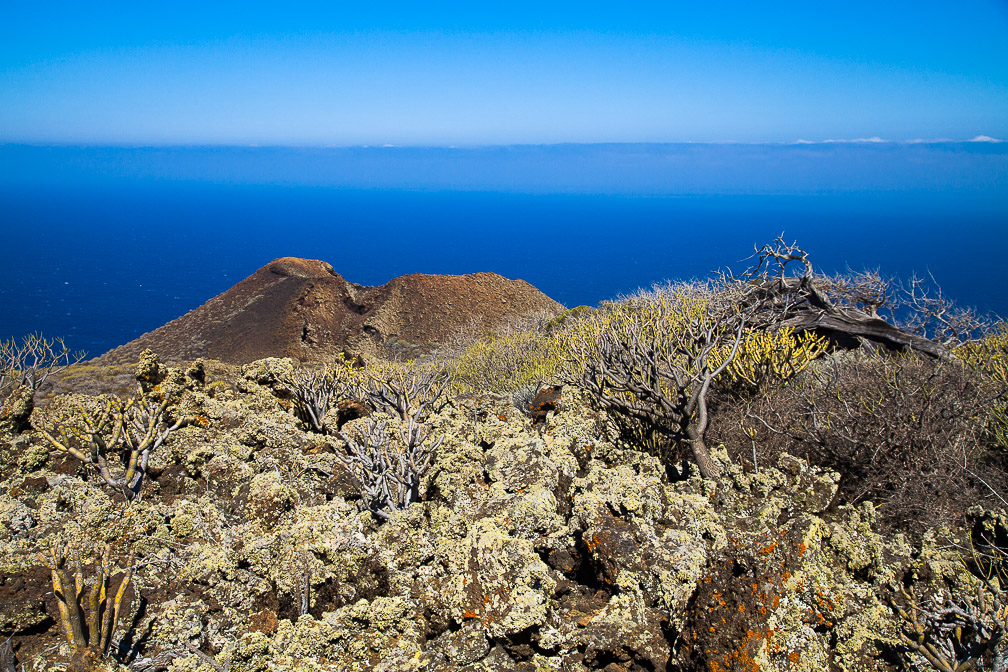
(770, 471)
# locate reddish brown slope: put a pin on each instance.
(301, 308)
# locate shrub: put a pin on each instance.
(953, 633)
(963, 629)
(516, 363)
(389, 469)
(652, 357)
(407, 390)
(113, 437)
(900, 429)
(769, 359)
(88, 621)
(989, 357)
(23, 368)
(315, 391)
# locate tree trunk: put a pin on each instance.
(695, 429)
(709, 467)
(841, 325)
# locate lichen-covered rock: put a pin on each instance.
(33, 457)
(499, 580)
(148, 371)
(16, 409)
(534, 546)
(663, 567)
(269, 372)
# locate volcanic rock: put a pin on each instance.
(303, 309)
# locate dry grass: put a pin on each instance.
(903, 431)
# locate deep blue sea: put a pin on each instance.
(103, 244)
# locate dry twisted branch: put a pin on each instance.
(389, 474)
(844, 310)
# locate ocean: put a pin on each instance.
(103, 244)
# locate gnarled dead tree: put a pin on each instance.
(846, 309)
(109, 431)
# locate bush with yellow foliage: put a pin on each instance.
(989, 357)
(515, 363)
(767, 359)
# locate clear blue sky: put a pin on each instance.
(521, 72)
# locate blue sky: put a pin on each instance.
(471, 73)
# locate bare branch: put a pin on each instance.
(389, 471)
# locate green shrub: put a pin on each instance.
(517, 364)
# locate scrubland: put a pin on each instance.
(775, 471)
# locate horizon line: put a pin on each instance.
(875, 140)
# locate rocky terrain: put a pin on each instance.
(303, 309)
(535, 545)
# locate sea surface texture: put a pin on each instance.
(103, 244)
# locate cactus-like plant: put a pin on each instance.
(110, 430)
(771, 358)
(389, 470)
(88, 620)
(408, 391)
(315, 392)
(955, 634)
(24, 367)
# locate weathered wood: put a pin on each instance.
(800, 302)
(840, 325)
